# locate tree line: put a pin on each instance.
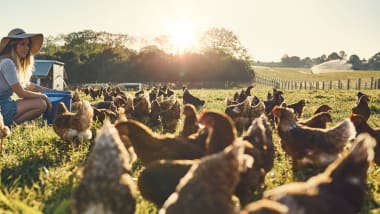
(373, 63)
(91, 56)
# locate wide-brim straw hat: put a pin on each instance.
(18, 33)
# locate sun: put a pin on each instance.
(182, 35)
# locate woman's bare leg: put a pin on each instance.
(29, 109)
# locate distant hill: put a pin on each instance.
(332, 65)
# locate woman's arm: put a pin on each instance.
(35, 88)
(17, 88)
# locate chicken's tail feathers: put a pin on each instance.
(353, 168)
(343, 132)
(61, 108)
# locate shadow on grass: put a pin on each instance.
(60, 200)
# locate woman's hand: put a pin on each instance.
(48, 103)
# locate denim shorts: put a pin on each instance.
(8, 108)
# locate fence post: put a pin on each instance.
(323, 85)
(330, 84)
(359, 83)
(339, 84)
(348, 84)
(371, 83)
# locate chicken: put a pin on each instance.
(142, 108)
(76, 96)
(74, 126)
(209, 185)
(318, 120)
(362, 107)
(298, 107)
(362, 127)
(221, 129)
(154, 115)
(101, 114)
(150, 146)
(243, 113)
(189, 98)
(94, 93)
(190, 125)
(259, 135)
(244, 94)
(305, 145)
(277, 100)
(106, 186)
(4, 131)
(240, 114)
(160, 178)
(323, 108)
(341, 188)
(106, 105)
(170, 112)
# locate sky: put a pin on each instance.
(267, 28)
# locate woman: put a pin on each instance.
(17, 52)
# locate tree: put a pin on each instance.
(342, 55)
(374, 62)
(333, 56)
(355, 62)
(223, 40)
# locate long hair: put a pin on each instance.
(24, 66)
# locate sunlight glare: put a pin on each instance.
(182, 34)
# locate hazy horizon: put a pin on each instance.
(268, 29)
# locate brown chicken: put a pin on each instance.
(74, 126)
(142, 108)
(106, 186)
(298, 108)
(76, 96)
(341, 188)
(259, 135)
(189, 98)
(362, 127)
(311, 146)
(154, 115)
(170, 112)
(318, 120)
(150, 146)
(323, 108)
(240, 114)
(4, 131)
(106, 105)
(209, 184)
(190, 124)
(362, 107)
(221, 129)
(101, 114)
(160, 178)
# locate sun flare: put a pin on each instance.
(182, 35)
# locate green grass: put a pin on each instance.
(39, 172)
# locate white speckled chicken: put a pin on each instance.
(107, 186)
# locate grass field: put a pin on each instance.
(306, 74)
(39, 173)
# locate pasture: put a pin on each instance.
(39, 172)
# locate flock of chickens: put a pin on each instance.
(219, 159)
